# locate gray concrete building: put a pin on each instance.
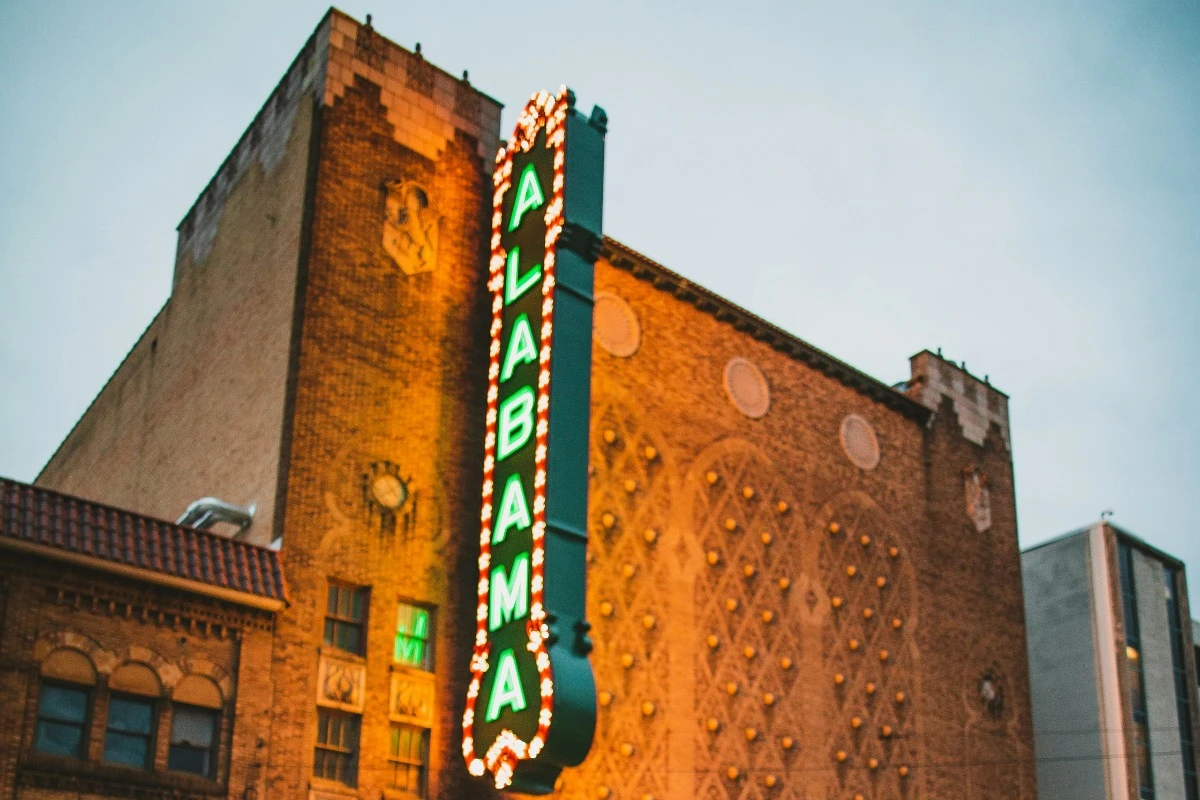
(1112, 667)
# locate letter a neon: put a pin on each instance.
(521, 349)
(516, 284)
(529, 196)
(516, 422)
(514, 510)
(508, 597)
(506, 688)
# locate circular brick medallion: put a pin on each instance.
(747, 388)
(614, 325)
(859, 442)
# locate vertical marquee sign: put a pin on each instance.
(531, 703)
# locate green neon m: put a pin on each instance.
(508, 598)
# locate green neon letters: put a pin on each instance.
(514, 510)
(509, 594)
(506, 689)
(521, 348)
(529, 196)
(516, 284)
(516, 422)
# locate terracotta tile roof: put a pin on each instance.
(41, 517)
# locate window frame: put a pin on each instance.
(335, 621)
(397, 762)
(213, 749)
(151, 735)
(323, 750)
(84, 727)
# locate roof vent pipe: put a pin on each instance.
(208, 511)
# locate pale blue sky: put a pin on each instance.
(1017, 182)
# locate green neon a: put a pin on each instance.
(514, 511)
(508, 597)
(521, 349)
(529, 196)
(516, 284)
(516, 422)
(506, 688)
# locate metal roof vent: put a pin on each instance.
(209, 511)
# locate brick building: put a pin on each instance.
(803, 582)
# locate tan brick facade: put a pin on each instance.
(771, 617)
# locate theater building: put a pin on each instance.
(802, 582)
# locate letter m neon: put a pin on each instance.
(509, 595)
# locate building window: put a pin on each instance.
(1183, 705)
(337, 746)
(129, 731)
(1137, 681)
(413, 648)
(408, 758)
(345, 617)
(61, 720)
(193, 740)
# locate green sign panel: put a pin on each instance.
(531, 703)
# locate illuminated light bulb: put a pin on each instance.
(883, 655)
(627, 660)
(650, 536)
(605, 698)
(747, 492)
(766, 538)
(781, 507)
(867, 613)
(839, 678)
(648, 709)
(894, 552)
(713, 557)
(769, 781)
(731, 604)
(628, 570)
(840, 756)
(730, 524)
(768, 617)
(834, 528)
(881, 581)
(836, 602)
(885, 731)
(903, 771)
(748, 651)
(732, 773)
(750, 734)
(855, 722)
(870, 687)
(786, 743)
(711, 477)
(900, 697)
(768, 699)
(608, 520)
(748, 570)
(648, 621)
(853, 644)
(785, 663)
(872, 763)
(626, 749)
(712, 641)
(606, 608)
(650, 453)
(784, 583)
(897, 623)
(859, 797)
(731, 688)
(864, 540)
(712, 724)
(851, 571)
(630, 486)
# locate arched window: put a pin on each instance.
(68, 679)
(195, 720)
(129, 731)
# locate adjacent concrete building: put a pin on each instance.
(1112, 667)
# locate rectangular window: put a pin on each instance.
(408, 758)
(193, 740)
(1137, 681)
(62, 720)
(337, 746)
(345, 618)
(413, 629)
(129, 731)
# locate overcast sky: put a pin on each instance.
(1017, 183)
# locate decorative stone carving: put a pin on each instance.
(747, 388)
(615, 327)
(859, 442)
(411, 228)
(978, 497)
(412, 697)
(340, 684)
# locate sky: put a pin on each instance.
(1017, 183)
